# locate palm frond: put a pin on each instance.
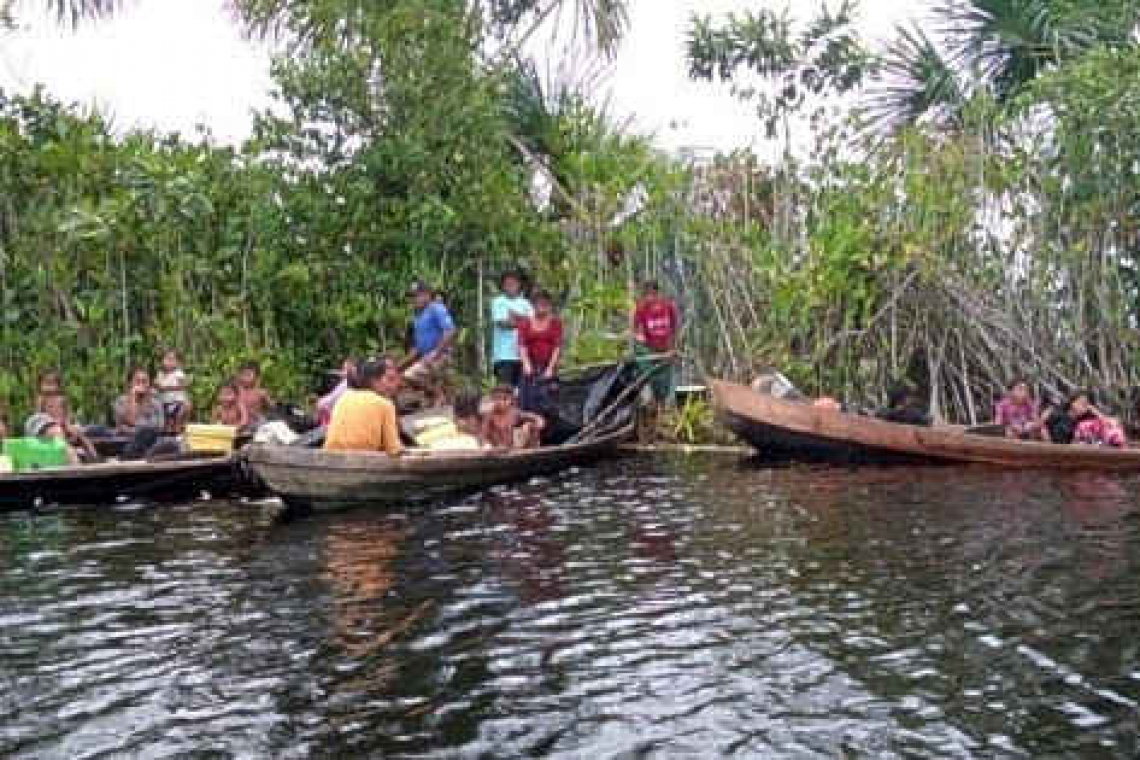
(829, 21)
(1008, 43)
(602, 23)
(915, 82)
(74, 12)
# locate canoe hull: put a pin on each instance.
(319, 479)
(105, 483)
(791, 430)
(780, 444)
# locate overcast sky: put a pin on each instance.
(173, 64)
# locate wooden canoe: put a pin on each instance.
(598, 401)
(106, 482)
(795, 430)
(316, 478)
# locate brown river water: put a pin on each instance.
(649, 607)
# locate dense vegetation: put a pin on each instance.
(973, 219)
(394, 154)
(967, 215)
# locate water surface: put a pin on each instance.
(645, 608)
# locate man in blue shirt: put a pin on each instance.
(432, 334)
(506, 309)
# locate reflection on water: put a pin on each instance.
(674, 608)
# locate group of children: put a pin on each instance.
(147, 410)
(1076, 420)
(501, 424)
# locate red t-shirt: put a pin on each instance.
(658, 320)
(540, 345)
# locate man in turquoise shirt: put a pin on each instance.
(506, 308)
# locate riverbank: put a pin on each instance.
(686, 448)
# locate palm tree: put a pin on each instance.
(996, 45)
(916, 83)
(603, 22)
(73, 12)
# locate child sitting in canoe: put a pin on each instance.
(48, 432)
(1092, 427)
(505, 426)
(171, 383)
(228, 409)
(466, 409)
(251, 395)
(57, 408)
(904, 406)
(1078, 421)
(49, 384)
(1018, 412)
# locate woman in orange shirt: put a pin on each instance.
(364, 419)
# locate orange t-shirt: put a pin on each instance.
(363, 421)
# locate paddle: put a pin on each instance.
(631, 389)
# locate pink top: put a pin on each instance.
(1016, 415)
(1100, 431)
(328, 401)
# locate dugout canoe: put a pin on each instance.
(107, 482)
(315, 478)
(597, 404)
(792, 430)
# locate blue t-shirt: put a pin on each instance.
(430, 325)
(505, 340)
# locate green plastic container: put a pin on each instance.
(35, 453)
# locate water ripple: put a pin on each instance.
(658, 608)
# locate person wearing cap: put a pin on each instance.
(433, 331)
(44, 427)
(364, 418)
(508, 309)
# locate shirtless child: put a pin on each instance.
(252, 396)
(228, 409)
(506, 427)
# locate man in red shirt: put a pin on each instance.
(656, 325)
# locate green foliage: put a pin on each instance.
(112, 250)
(991, 232)
(824, 58)
(387, 159)
(993, 46)
(692, 422)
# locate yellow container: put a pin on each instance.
(211, 437)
